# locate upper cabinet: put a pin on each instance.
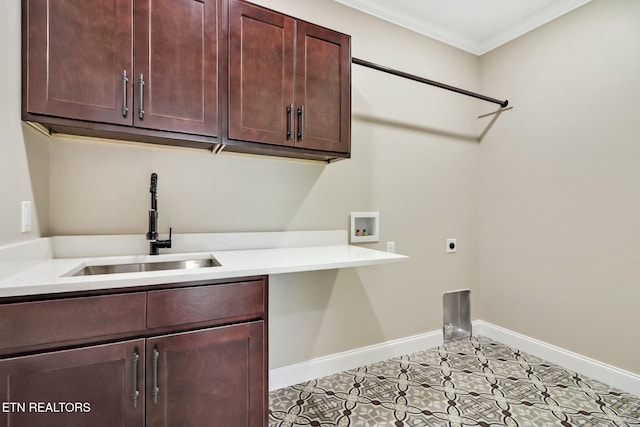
(83, 62)
(289, 81)
(175, 66)
(261, 75)
(199, 73)
(323, 88)
(78, 59)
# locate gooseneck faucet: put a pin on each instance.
(153, 234)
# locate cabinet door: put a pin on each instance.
(261, 67)
(213, 377)
(76, 52)
(176, 81)
(323, 88)
(92, 386)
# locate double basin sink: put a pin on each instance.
(139, 267)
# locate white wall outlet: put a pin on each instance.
(391, 247)
(452, 246)
(26, 216)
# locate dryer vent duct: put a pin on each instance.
(456, 315)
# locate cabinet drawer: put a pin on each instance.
(244, 300)
(42, 324)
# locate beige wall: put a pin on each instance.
(16, 156)
(559, 217)
(422, 182)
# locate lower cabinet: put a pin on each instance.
(93, 386)
(202, 363)
(207, 378)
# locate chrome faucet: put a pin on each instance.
(153, 234)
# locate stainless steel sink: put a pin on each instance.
(91, 270)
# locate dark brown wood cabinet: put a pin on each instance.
(175, 67)
(184, 355)
(101, 386)
(198, 73)
(323, 88)
(143, 64)
(261, 73)
(289, 81)
(190, 387)
(74, 58)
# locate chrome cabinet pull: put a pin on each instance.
(290, 113)
(301, 124)
(141, 86)
(135, 393)
(125, 80)
(156, 391)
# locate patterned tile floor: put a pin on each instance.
(475, 382)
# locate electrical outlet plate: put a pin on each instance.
(391, 247)
(452, 246)
(26, 216)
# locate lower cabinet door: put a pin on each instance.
(98, 386)
(211, 377)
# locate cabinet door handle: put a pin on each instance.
(301, 124)
(135, 393)
(156, 391)
(290, 113)
(141, 86)
(125, 80)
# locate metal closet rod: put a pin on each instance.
(398, 73)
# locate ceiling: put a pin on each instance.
(476, 26)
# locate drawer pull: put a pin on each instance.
(141, 87)
(134, 395)
(125, 80)
(156, 390)
(290, 113)
(301, 125)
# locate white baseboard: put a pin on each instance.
(327, 365)
(619, 378)
(334, 363)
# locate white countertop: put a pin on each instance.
(53, 275)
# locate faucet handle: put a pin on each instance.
(166, 243)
